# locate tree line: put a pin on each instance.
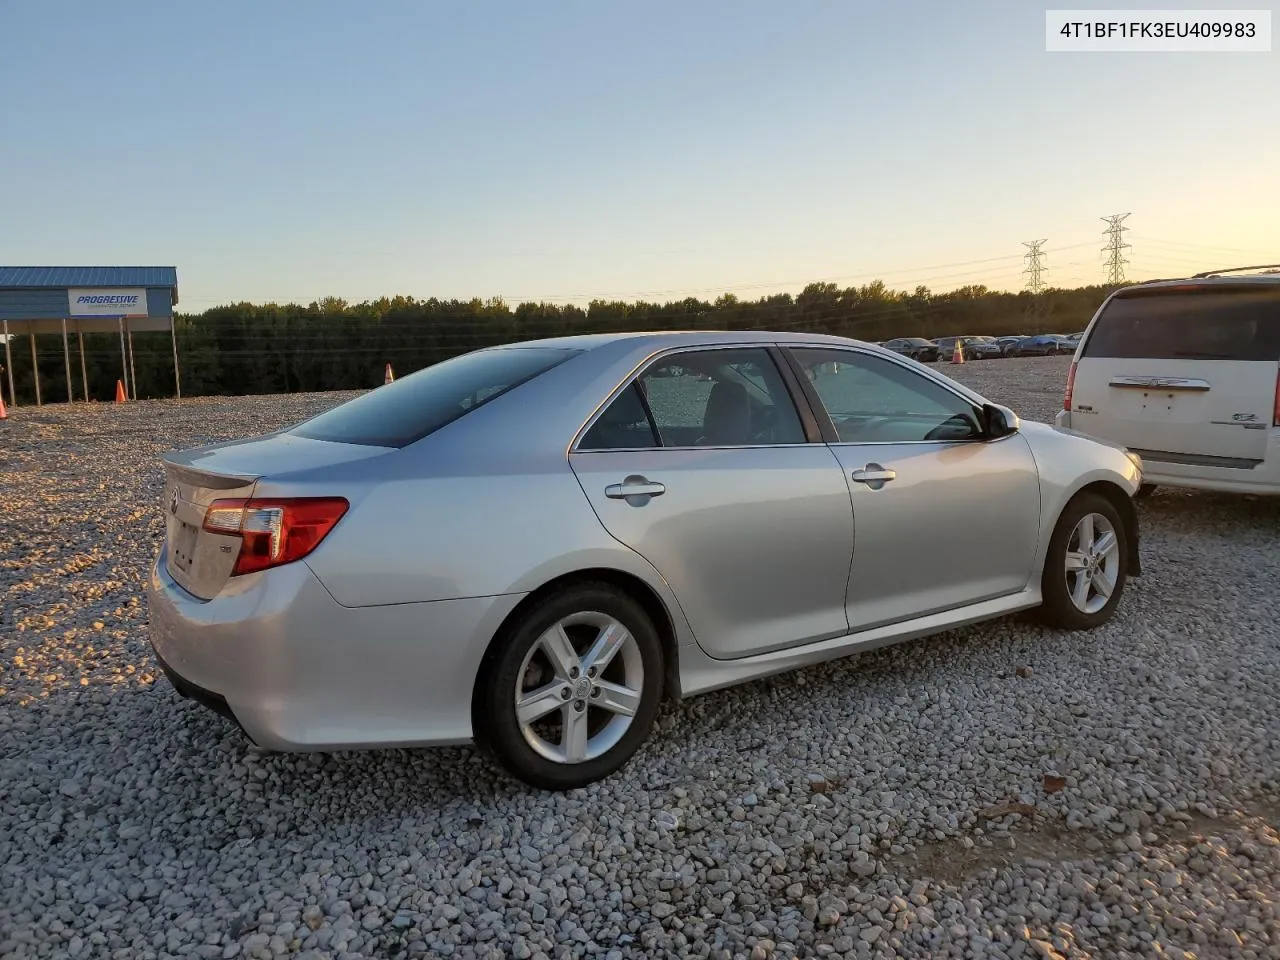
(247, 348)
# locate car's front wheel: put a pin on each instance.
(568, 694)
(1086, 566)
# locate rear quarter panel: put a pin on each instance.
(443, 537)
(486, 506)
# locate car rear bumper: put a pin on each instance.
(298, 671)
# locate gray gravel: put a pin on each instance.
(1000, 791)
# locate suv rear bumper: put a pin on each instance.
(1261, 478)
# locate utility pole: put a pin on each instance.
(1033, 315)
(1115, 247)
(1035, 268)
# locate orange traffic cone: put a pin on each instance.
(120, 397)
(388, 377)
(4, 414)
(957, 355)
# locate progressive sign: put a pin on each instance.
(107, 302)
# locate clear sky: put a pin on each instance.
(564, 150)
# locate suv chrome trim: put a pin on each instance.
(1197, 459)
(1160, 383)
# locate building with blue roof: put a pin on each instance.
(80, 300)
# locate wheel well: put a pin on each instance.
(1118, 498)
(629, 584)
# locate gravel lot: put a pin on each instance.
(1000, 791)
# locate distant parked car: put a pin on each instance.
(1043, 345)
(917, 348)
(975, 348)
(1006, 342)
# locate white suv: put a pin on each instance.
(1186, 374)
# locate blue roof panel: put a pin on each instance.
(28, 277)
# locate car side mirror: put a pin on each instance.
(999, 421)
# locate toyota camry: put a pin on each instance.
(531, 546)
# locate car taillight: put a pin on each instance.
(1071, 383)
(274, 532)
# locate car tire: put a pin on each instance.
(1062, 606)
(538, 752)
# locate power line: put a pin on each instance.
(1035, 268)
(1115, 247)
(1200, 247)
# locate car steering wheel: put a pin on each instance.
(949, 428)
(765, 422)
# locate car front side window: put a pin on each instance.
(873, 400)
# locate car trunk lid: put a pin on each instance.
(200, 560)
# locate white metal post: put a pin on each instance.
(66, 359)
(35, 370)
(124, 360)
(177, 379)
(133, 373)
(84, 373)
(8, 365)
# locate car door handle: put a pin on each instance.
(634, 487)
(874, 475)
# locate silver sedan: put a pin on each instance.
(531, 546)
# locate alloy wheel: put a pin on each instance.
(579, 688)
(1093, 563)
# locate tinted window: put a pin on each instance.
(873, 400)
(625, 425)
(720, 398)
(408, 409)
(1216, 324)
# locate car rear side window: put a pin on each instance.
(1208, 323)
(697, 398)
(408, 409)
(625, 425)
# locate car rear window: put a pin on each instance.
(1204, 324)
(409, 409)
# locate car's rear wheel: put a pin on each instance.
(568, 694)
(1086, 566)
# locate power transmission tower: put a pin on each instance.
(1035, 268)
(1115, 247)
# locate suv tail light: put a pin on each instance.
(1071, 383)
(274, 532)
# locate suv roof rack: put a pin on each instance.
(1218, 273)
